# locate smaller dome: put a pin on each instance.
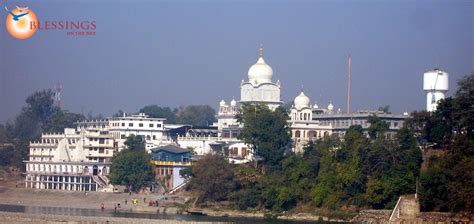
(330, 107)
(315, 106)
(233, 103)
(222, 103)
(301, 101)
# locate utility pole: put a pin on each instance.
(348, 99)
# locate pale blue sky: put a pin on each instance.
(174, 53)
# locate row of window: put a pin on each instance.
(309, 134)
(165, 171)
(42, 149)
(151, 125)
(234, 152)
(302, 117)
(40, 158)
(347, 123)
(64, 168)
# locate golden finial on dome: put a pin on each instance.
(261, 51)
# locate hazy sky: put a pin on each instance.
(174, 53)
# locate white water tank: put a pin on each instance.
(435, 84)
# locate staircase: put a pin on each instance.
(104, 178)
(178, 187)
(99, 181)
(407, 208)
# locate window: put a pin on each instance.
(297, 134)
(123, 124)
(140, 125)
(158, 125)
(130, 124)
(395, 124)
(154, 137)
(101, 141)
(151, 125)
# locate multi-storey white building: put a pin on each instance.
(79, 159)
(73, 160)
(153, 130)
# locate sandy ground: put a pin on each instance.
(12, 191)
(52, 198)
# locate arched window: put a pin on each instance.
(297, 134)
(305, 116)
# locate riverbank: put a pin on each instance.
(12, 192)
(14, 217)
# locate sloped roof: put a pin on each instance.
(170, 148)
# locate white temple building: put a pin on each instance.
(76, 160)
(260, 88)
(302, 126)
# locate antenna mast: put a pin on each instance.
(348, 100)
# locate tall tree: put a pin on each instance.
(377, 127)
(197, 115)
(131, 167)
(212, 178)
(161, 112)
(266, 131)
(37, 116)
(463, 105)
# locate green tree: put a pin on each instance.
(447, 184)
(392, 168)
(131, 167)
(385, 109)
(7, 152)
(212, 178)
(135, 143)
(61, 119)
(463, 106)
(197, 115)
(248, 192)
(37, 116)
(266, 131)
(377, 127)
(156, 111)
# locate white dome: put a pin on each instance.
(222, 103)
(233, 103)
(315, 106)
(260, 72)
(301, 101)
(330, 106)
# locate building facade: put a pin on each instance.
(73, 160)
(153, 130)
(168, 161)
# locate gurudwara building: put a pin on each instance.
(308, 122)
(79, 159)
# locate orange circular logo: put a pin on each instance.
(18, 22)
